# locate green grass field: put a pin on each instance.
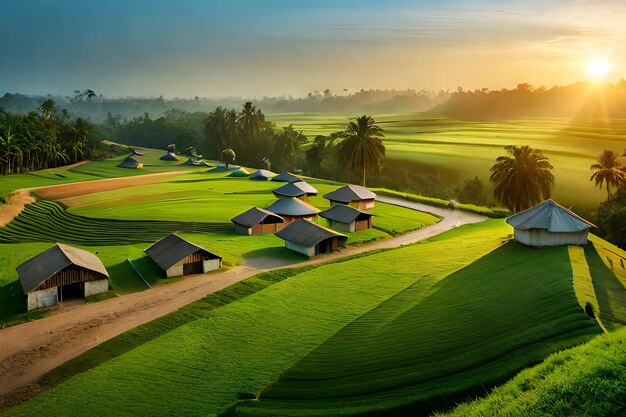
(469, 148)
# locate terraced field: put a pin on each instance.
(466, 148)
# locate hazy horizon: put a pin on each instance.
(282, 48)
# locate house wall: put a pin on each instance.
(342, 227)
(289, 219)
(174, 271)
(96, 287)
(300, 249)
(243, 230)
(541, 237)
(41, 298)
(211, 265)
(363, 204)
(363, 224)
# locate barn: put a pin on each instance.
(130, 162)
(59, 273)
(286, 177)
(352, 195)
(549, 224)
(347, 219)
(257, 221)
(300, 189)
(176, 257)
(311, 239)
(261, 175)
(291, 209)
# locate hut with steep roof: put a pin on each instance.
(291, 209)
(347, 219)
(130, 162)
(59, 273)
(549, 224)
(262, 175)
(310, 238)
(300, 189)
(286, 177)
(177, 256)
(170, 156)
(239, 173)
(352, 195)
(257, 221)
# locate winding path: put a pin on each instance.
(29, 350)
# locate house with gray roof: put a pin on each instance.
(352, 195)
(286, 177)
(130, 162)
(549, 224)
(257, 221)
(347, 218)
(310, 238)
(177, 256)
(301, 189)
(291, 209)
(59, 273)
(262, 175)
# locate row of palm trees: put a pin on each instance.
(39, 141)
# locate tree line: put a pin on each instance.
(47, 138)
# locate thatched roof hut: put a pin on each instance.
(549, 224)
(352, 195)
(257, 221)
(347, 219)
(310, 238)
(61, 271)
(177, 256)
(291, 209)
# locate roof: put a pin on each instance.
(39, 268)
(286, 177)
(137, 152)
(130, 162)
(262, 174)
(295, 189)
(239, 172)
(171, 249)
(344, 214)
(292, 207)
(255, 216)
(197, 163)
(308, 234)
(350, 193)
(550, 216)
(169, 157)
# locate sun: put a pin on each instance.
(598, 68)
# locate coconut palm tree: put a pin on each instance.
(362, 149)
(522, 179)
(46, 108)
(215, 130)
(608, 171)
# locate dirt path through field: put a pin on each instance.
(14, 206)
(29, 350)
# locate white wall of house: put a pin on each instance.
(96, 287)
(42, 298)
(211, 265)
(342, 227)
(541, 237)
(300, 249)
(174, 271)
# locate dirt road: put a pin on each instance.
(29, 350)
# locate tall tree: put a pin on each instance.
(228, 157)
(362, 149)
(46, 108)
(608, 171)
(522, 179)
(315, 155)
(216, 131)
(285, 147)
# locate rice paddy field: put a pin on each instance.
(469, 148)
(403, 331)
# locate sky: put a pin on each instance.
(256, 48)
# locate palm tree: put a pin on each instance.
(523, 179)
(609, 171)
(315, 154)
(285, 148)
(215, 130)
(46, 108)
(362, 149)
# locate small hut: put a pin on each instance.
(347, 219)
(286, 177)
(352, 195)
(291, 209)
(549, 224)
(262, 175)
(137, 152)
(198, 163)
(130, 162)
(257, 221)
(310, 238)
(170, 156)
(300, 189)
(59, 273)
(176, 257)
(239, 173)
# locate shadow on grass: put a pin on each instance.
(610, 292)
(12, 300)
(274, 257)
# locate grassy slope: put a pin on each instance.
(203, 367)
(474, 328)
(470, 147)
(585, 381)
